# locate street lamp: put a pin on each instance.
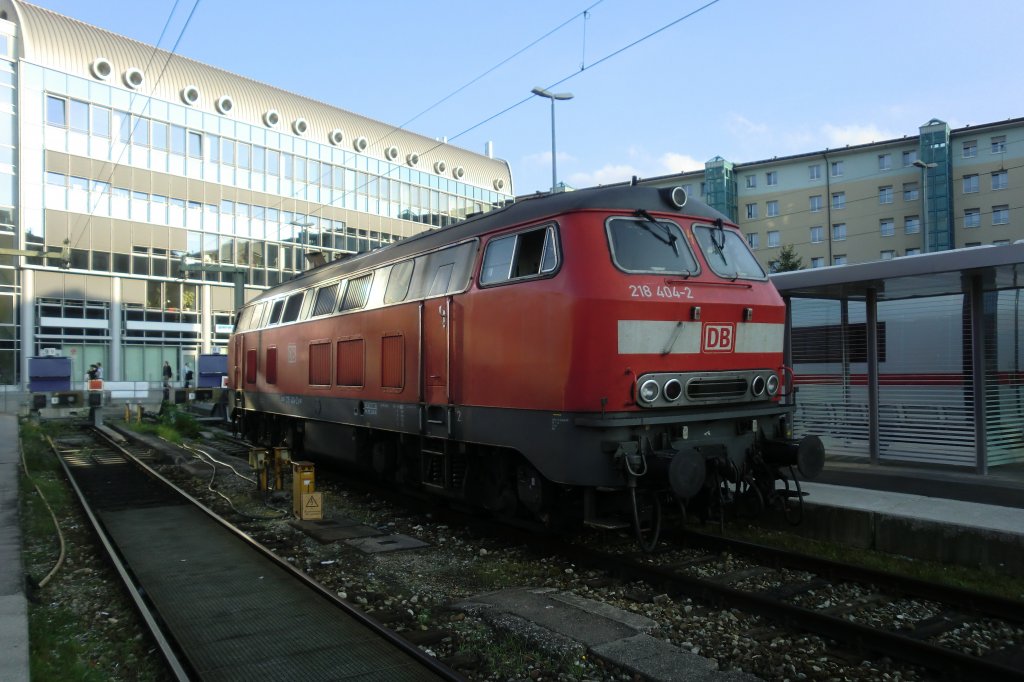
(298, 222)
(924, 200)
(541, 92)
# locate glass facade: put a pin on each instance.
(936, 182)
(120, 189)
(720, 187)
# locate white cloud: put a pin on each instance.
(641, 163)
(607, 174)
(740, 126)
(839, 136)
(672, 162)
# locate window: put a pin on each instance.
(817, 234)
(326, 300)
(195, 145)
(751, 181)
(888, 254)
(100, 121)
(726, 253)
(912, 252)
(1000, 180)
(754, 239)
(972, 244)
(56, 111)
(1001, 215)
(837, 169)
(79, 117)
(886, 227)
(838, 200)
(292, 307)
(534, 252)
(751, 211)
(884, 162)
(970, 149)
(839, 232)
(998, 144)
(909, 158)
(970, 184)
(817, 262)
(356, 293)
(839, 259)
(972, 217)
(814, 171)
(772, 209)
(911, 224)
(885, 194)
(815, 203)
(771, 178)
(275, 312)
(398, 282)
(773, 238)
(909, 191)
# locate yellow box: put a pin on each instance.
(303, 482)
(312, 507)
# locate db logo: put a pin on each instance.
(718, 338)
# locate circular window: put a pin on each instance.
(499, 184)
(336, 137)
(271, 118)
(225, 104)
(412, 159)
(190, 94)
(133, 78)
(360, 144)
(391, 153)
(458, 172)
(440, 167)
(101, 68)
(300, 126)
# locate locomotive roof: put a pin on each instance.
(523, 211)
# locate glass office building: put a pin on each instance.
(112, 176)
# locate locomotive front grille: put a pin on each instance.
(716, 389)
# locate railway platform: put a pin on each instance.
(14, 665)
(936, 515)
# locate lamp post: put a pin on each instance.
(303, 223)
(924, 200)
(541, 92)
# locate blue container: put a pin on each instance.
(212, 367)
(47, 374)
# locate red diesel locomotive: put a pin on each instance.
(586, 355)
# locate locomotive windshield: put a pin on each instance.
(727, 254)
(641, 245)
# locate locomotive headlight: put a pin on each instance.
(757, 386)
(673, 389)
(773, 384)
(649, 391)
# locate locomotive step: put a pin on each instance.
(607, 524)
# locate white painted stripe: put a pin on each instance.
(652, 337)
(759, 337)
(638, 337)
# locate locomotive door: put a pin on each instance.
(436, 320)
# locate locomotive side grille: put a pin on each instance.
(350, 362)
(320, 364)
(716, 389)
(392, 365)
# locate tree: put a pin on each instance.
(788, 260)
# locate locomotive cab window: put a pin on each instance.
(727, 253)
(520, 256)
(654, 246)
(398, 282)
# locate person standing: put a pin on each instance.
(167, 373)
(188, 375)
(99, 370)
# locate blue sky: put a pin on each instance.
(743, 79)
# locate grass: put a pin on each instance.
(173, 425)
(81, 624)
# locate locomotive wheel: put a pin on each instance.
(646, 520)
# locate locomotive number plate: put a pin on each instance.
(645, 291)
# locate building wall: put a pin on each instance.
(120, 183)
(866, 203)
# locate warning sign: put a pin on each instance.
(312, 507)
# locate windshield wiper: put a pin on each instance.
(667, 238)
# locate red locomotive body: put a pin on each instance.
(549, 357)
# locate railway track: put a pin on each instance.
(949, 631)
(219, 606)
(863, 610)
